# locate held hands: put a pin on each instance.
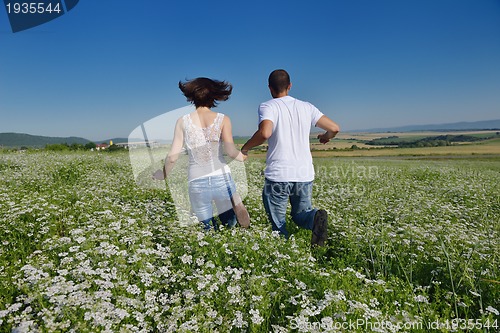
(242, 157)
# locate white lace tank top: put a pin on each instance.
(204, 148)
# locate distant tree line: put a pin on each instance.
(65, 147)
(73, 146)
(433, 141)
(77, 146)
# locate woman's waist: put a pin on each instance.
(199, 172)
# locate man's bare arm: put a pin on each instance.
(331, 128)
(260, 136)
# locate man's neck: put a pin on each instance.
(282, 94)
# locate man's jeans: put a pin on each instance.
(276, 195)
(218, 189)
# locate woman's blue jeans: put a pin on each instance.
(203, 192)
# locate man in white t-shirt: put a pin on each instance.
(286, 123)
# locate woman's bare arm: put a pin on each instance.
(175, 150)
(228, 141)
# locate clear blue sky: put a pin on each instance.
(107, 66)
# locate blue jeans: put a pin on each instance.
(218, 189)
(276, 196)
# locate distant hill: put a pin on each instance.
(115, 140)
(38, 141)
(27, 140)
(460, 126)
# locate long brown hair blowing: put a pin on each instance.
(206, 92)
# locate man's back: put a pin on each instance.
(289, 157)
(285, 123)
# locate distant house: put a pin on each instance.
(101, 146)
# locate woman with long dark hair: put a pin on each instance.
(206, 135)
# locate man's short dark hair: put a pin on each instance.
(279, 80)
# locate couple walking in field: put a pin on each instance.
(285, 122)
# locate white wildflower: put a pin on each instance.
(80, 240)
(238, 321)
(188, 294)
(233, 290)
(186, 259)
(256, 298)
(492, 310)
(256, 318)
(300, 284)
(74, 248)
(133, 289)
(421, 299)
(475, 294)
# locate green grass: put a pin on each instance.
(85, 249)
(241, 140)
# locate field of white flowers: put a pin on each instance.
(414, 246)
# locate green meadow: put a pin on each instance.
(413, 247)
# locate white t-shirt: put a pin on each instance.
(289, 156)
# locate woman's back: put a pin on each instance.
(202, 133)
(203, 117)
(202, 138)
